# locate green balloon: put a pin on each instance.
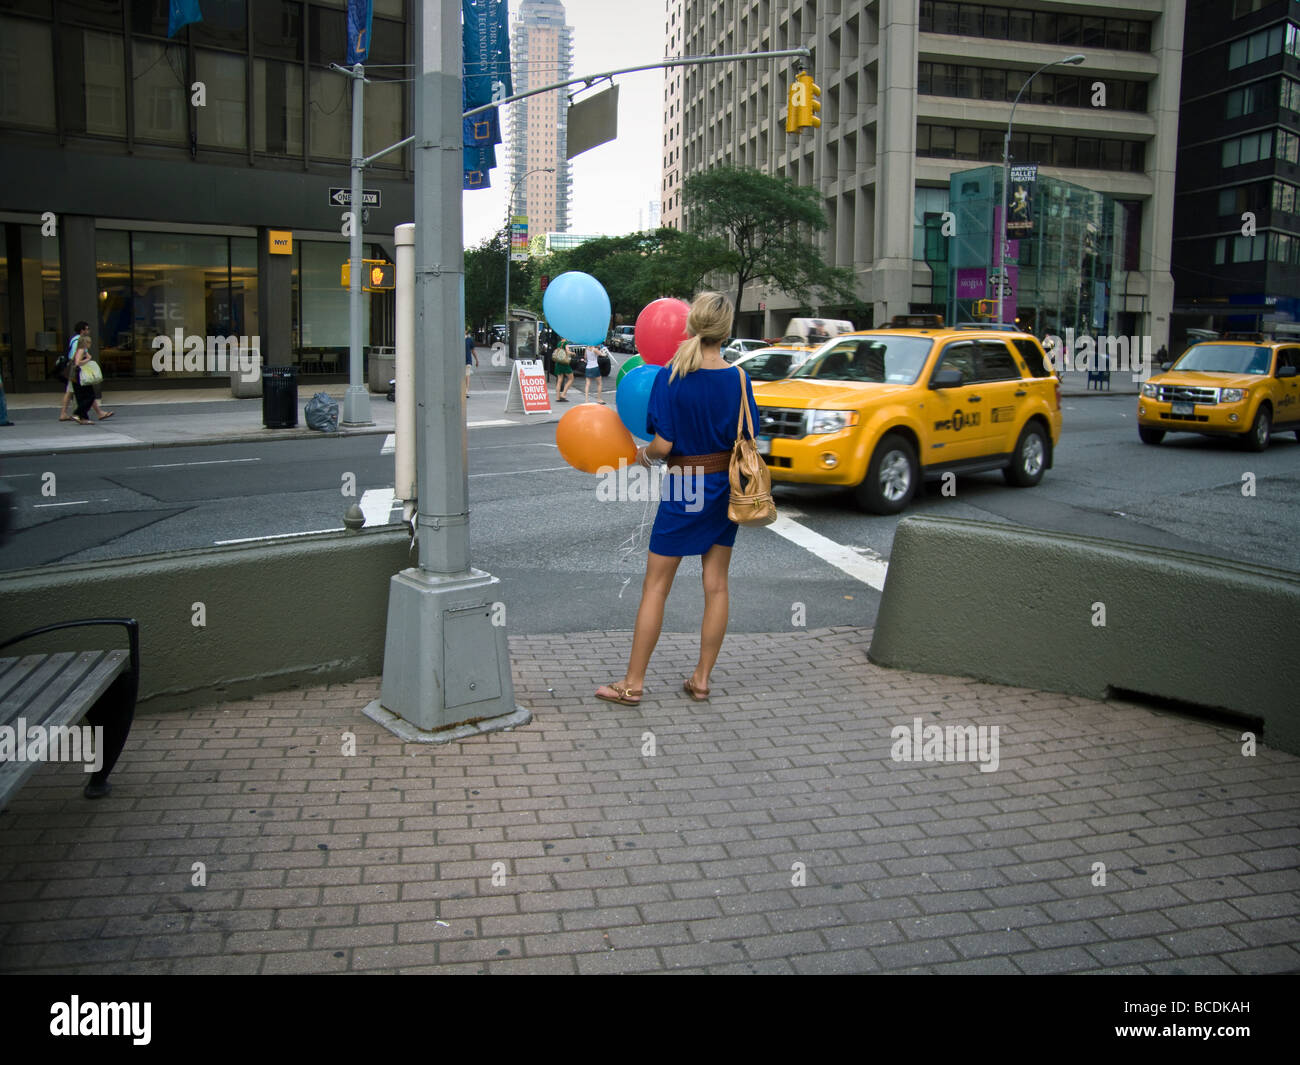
(629, 366)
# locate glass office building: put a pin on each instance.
(1067, 272)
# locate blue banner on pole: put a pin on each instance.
(478, 166)
(181, 13)
(360, 13)
(485, 52)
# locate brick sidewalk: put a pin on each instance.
(618, 862)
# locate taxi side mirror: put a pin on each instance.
(1286, 371)
(946, 379)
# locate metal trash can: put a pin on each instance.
(280, 397)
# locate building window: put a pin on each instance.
(277, 107)
(1220, 251)
(1289, 96)
(222, 122)
(1051, 90)
(1089, 153)
(1263, 44)
(1286, 197)
(1006, 23)
(26, 74)
(161, 92)
(1248, 149)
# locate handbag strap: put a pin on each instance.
(744, 420)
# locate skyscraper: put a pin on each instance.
(542, 48)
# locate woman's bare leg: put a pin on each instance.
(659, 573)
(713, 629)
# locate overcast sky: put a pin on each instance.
(613, 183)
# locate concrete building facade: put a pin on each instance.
(914, 91)
(541, 48)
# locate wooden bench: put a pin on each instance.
(54, 691)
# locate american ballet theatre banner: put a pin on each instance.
(1020, 200)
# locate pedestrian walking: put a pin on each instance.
(693, 411)
(471, 357)
(562, 363)
(4, 403)
(591, 372)
(83, 391)
(65, 367)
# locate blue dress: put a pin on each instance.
(697, 414)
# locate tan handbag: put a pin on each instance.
(751, 483)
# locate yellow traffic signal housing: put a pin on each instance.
(376, 275)
(984, 308)
(794, 106)
(812, 102)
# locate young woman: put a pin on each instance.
(85, 393)
(693, 412)
(562, 362)
(592, 373)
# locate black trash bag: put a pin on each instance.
(322, 413)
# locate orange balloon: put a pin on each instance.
(591, 437)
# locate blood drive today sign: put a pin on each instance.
(528, 391)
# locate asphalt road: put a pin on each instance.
(570, 562)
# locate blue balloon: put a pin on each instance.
(576, 306)
(634, 399)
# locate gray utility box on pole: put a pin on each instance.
(446, 658)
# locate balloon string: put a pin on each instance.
(631, 545)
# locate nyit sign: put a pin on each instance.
(280, 241)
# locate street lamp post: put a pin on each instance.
(1001, 235)
(510, 213)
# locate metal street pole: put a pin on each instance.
(356, 401)
(446, 659)
(510, 214)
(1001, 235)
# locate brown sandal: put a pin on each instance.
(622, 695)
(700, 695)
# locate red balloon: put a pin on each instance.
(591, 437)
(660, 330)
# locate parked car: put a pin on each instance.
(623, 338)
(772, 364)
(737, 347)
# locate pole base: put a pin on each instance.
(446, 664)
(410, 734)
(356, 407)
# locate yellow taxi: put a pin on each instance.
(878, 410)
(1243, 385)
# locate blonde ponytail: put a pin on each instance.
(709, 323)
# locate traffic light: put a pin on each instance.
(380, 277)
(984, 308)
(812, 102)
(795, 99)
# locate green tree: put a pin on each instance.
(485, 282)
(756, 227)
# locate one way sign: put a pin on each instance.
(343, 198)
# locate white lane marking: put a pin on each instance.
(74, 503)
(176, 465)
(860, 563)
(277, 536)
(487, 424)
(512, 473)
(390, 443)
(376, 505)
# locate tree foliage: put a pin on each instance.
(760, 228)
(485, 282)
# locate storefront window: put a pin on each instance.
(45, 333)
(161, 92)
(221, 121)
(26, 74)
(325, 331)
(179, 282)
(243, 286)
(115, 334)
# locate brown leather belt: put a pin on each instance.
(717, 462)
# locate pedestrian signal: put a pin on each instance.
(984, 308)
(376, 275)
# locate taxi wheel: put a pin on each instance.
(1029, 461)
(1260, 431)
(1150, 436)
(891, 478)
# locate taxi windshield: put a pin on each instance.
(1225, 358)
(872, 360)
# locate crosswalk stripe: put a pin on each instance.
(860, 563)
(376, 505)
